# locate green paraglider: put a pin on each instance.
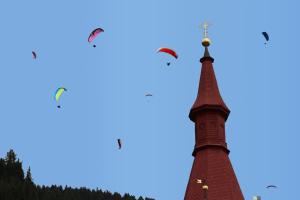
(58, 94)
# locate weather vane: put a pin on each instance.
(205, 41)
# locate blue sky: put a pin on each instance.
(76, 145)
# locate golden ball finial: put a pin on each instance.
(206, 42)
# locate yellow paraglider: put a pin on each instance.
(58, 94)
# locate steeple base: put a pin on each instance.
(213, 167)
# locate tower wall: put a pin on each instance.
(210, 128)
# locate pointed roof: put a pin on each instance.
(208, 92)
(214, 168)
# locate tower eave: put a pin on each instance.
(207, 58)
(193, 112)
(209, 146)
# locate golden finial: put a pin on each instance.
(205, 41)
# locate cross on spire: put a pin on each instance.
(205, 40)
(205, 26)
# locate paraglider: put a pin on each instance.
(265, 34)
(33, 55)
(168, 51)
(148, 96)
(58, 94)
(94, 34)
(271, 186)
(119, 143)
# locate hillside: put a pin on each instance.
(14, 185)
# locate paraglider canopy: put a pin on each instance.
(265, 34)
(94, 34)
(271, 186)
(148, 95)
(59, 92)
(33, 55)
(119, 143)
(168, 51)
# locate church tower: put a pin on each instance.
(212, 176)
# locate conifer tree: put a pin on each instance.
(28, 177)
(11, 156)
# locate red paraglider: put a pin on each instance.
(168, 50)
(94, 34)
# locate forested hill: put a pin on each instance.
(14, 185)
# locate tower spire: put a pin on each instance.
(211, 161)
(208, 92)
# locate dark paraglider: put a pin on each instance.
(265, 34)
(119, 143)
(168, 63)
(33, 55)
(271, 186)
(148, 96)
